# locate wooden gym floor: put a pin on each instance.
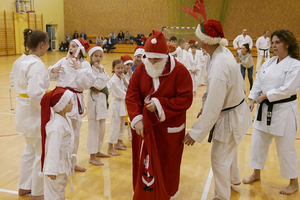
(113, 180)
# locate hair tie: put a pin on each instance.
(29, 31)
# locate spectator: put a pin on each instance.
(128, 38)
(83, 35)
(99, 40)
(75, 35)
(121, 36)
(113, 38)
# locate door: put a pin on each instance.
(51, 30)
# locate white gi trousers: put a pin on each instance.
(96, 134)
(55, 189)
(31, 166)
(202, 75)
(117, 129)
(76, 124)
(260, 59)
(224, 166)
(286, 151)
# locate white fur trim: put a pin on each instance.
(210, 40)
(80, 46)
(175, 195)
(160, 110)
(176, 129)
(139, 51)
(95, 48)
(64, 100)
(155, 55)
(128, 61)
(135, 120)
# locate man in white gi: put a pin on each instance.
(242, 39)
(262, 45)
(225, 112)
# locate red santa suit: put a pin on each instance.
(156, 157)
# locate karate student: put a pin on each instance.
(57, 142)
(31, 81)
(181, 51)
(227, 118)
(275, 90)
(74, 74)
(117, 88)
(97, 107)
(194, 65)
(242, 39)
(262, 45)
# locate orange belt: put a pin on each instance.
(26, 95)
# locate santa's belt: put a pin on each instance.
(26, 95)
(270, 107)
(80, 110)
(265, 52)
(213, 128)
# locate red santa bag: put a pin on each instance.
(150, 182)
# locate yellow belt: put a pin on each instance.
(26, 95)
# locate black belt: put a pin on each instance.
(270, 107)
(265, 54)
(225, 109)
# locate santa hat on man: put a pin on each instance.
(208, 31)
(139, 50)
(126, 59)
(95, 48)
(156, 46)
(82, 44)
(57, 99)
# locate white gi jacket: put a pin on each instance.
(240, 40)
(116, 88)
(59, 146)
(225, 89)
(96, 104)
(30, 77)
(277, 81)
(263, 43)
(79, 80)
(182, 55)
(194, 63)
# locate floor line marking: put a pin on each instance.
(8, 191)
(207, 185)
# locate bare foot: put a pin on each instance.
(252, 178)
(113, 152)
(119, 147)
(95, 162)
(24, 192)
(102, 155)
(79, 169)
(121, 144)
(291, 188)
(37, 197)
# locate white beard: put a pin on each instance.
(154, 70)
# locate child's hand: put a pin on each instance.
(53, 177)
(75, 64)
(98, 67)
(57, 70)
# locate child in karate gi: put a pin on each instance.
(57, 142)
(74, 74)
(97, 107)
(194, 66)
(31, 81)
(117, 88)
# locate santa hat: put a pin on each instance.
(211, 32)
(192, 41)
(126, 59)
(82, 44)
(139, 50)
(95, 48)
(57, 99)
(172, 50)
(156, 46)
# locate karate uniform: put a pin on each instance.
(240, 40)
(277, 81)
(194, 63)
(182, 56)
(262, 45)
(79, 80)
(97, 112)
(31, 81)
(224, 89)
(116, 88)
(161, 148)
(59, 147)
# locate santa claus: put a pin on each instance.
(158, 95)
